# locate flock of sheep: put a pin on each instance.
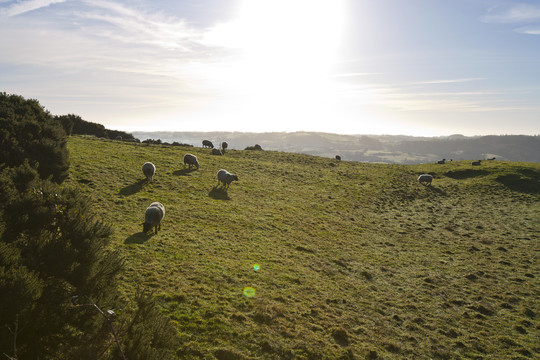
(155, 213)
(426, 179)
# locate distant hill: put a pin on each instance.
(398, 149)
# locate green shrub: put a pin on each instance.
(28, 131)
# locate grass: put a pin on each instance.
(356, 260)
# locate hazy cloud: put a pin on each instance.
(531, 30)
(420, 97)
(447, 81)
(513, 13)
(21, 7)
(121, 23)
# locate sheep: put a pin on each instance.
(224, 147)
(338, 157)
(476, 163)
(149, 170)
(226, 178)
(441, 161)
(191, 159)
(425, 179)
(491, 159)
(216, 151)
(207, 143)
(153, 216)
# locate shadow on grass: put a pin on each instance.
(183, 172)
(531, 173)
(138, 238)
(433, 189)
(436, 190)
(515, 182)
(219, 193)
(133, 188)
(467, 173)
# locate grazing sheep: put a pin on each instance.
(441, 161)
(476, 163)
(153, 216)
(225, 177)
(149, 170)
(207, 143)
(191, 159)
(490, 159)
(338, 157)
(425, 179)
(216, 151)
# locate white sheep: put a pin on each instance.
(425, 179)
(153, 216)
(226, 178)
(149, 170)
(191, 159)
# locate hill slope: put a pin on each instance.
(355, 260)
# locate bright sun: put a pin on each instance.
(288, 48)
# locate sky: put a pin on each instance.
(410, 67)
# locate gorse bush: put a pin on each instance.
(28, 131)
(75, 125)
(57, 269)
(51, 248)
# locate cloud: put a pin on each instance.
(22, 7)
(419, 97)
(514, 13)
(114, 21)
(449, 81)
(531, 30)
(130, 56)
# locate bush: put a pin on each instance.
(75, 125)
(51, 248)
(54, 249)
(149, 334)
(255, 147)
(28, 131)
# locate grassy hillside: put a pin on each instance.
(355, 260)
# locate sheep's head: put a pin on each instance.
(147, 227)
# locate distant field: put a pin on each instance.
(389, 149)
(355, 260)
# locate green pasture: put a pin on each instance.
(355, 260)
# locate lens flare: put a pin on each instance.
(256, 267)
(249, 292)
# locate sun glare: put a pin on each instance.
(288, 48)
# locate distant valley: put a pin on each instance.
(392, 149)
